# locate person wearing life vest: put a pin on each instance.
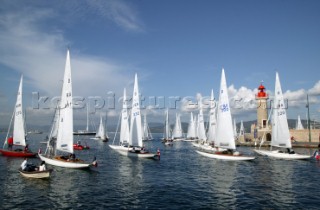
(26, 148)
(10, 142)
(317, 153)
(158, 153)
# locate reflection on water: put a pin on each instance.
(64, 191)
(281, 178)
(131, 181)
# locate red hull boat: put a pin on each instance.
(80, 147)
(19, 153)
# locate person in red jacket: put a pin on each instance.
(10, 142)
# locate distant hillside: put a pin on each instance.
(159, 127)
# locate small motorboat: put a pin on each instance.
(79, 146)
(36, 174)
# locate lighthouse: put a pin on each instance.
(262, 111)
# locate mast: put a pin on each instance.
(87, 128)
(308, 118)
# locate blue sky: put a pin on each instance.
(178, 48)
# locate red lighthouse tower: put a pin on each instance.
(262, 111)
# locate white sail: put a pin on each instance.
(167, 126)
(65, 129)
(196, 123)
(87, 127)
(241, 131)
(201, 130)
(299, 124)
(177, 130)
(135, 138)
(144, 128)
(19, 132)
(55, 124)
(124, 132)
(101, 131)
(224, 134)
(146, 133)
(235, 128)
(212, 119)
(191, 134)
(280, 129)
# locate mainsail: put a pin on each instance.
(19, 133)
(65, 128)
(135, 138)
(280, 128)
(225, 134)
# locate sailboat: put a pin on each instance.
(280, 137)
(123, 146)
(235, 129)
(299, 125)
(19, 133)
(191, 134)
(224, 132)
(101, 133)
(209, 144)
(212, 120)
(61, 136)
(241, 135)
(85, 132)
(146, 133)
(201, 129)
(135, 147)
(166, 135)
(177, 133)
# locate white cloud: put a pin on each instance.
(121, 13)
(315, 90)
(40, 56)
(118, 12)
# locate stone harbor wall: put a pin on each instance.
(296, 135)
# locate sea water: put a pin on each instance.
(181, 179)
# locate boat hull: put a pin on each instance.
(189, 140)
(119, 148)
(36, 174)
(80, 147)
(126, 151)
(178, 139)
(85, 133)
(207, 147)
(169, 143)
(275, 154)
(221, 156)
(13, 153)
(64, 163)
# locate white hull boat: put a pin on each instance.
(130, 152)
(280, 130)
(36, 174)
(120, 147)
(168, 142)
(224, 136)
(222, 156)
(277, 154)
(189, 140)
(57, 161)
(131, 144)
(61, 136)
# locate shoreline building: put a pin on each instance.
(263, 126)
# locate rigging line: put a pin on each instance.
(114, 138)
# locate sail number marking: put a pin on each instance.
(224, 108)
